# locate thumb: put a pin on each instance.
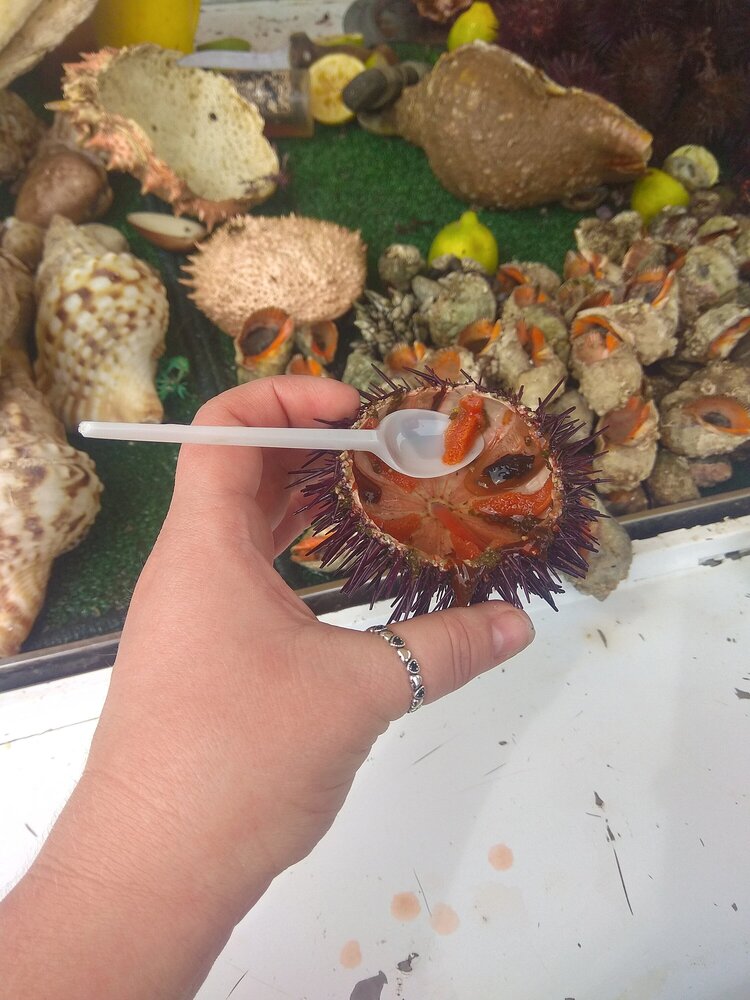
(451, 647)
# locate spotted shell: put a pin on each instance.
(49, 497)
(101, 323)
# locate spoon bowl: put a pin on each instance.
(410, 441)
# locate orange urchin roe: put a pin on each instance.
(404, 482)
(467, 421)
(515, 504)
(400, 528)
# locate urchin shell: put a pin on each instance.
(384, 567)
(313, 270)
(498, 132)
(101, 323)
(20, 132)
(184, 133)
(49, 497)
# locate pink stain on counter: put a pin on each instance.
(500, 857)
(444, 919)
(351, 955)
(405, 906)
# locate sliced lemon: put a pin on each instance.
(328, 77)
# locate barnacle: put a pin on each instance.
(514, 520)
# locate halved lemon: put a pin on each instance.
(328, 77)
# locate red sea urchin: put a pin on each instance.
(512, 521)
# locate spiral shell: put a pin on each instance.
(101, 322)
(49, 497)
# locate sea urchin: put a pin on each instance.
(512, 521)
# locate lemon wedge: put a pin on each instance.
(328, 77)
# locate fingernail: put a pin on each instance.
(512, 631)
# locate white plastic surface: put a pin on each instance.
(604, 771)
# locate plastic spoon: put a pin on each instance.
(409, 441)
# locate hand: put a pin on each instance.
(235, 721)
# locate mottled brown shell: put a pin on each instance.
(499, 132)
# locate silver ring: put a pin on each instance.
(413, 670)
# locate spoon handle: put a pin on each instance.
(309, 438)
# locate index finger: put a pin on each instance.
(216, 473)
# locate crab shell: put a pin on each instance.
(185, 134)
(483, 115)
(101, 322)
(49, 497)
(716, 333)
(709, 414)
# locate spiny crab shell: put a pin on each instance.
(185, 134)
(514, 519)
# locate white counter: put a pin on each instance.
(607, 766)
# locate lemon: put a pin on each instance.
(467, 238)
(328, 77)
(657, 190)
(478, 23)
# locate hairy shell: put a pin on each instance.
(716, 333)
(49, 497)
(101, 323)
(265, 345)
(311, 269)
(499, 132)
(609, 565)
(185, 134)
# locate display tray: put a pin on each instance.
(382, 187)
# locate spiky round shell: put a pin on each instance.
(20, 132)
(313, 270)
(186, 134)
(49, 497)
(101, 323)
(432, 543)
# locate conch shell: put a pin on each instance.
(499, 132)
(185, 134)
(101, 322)
(49, 497)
